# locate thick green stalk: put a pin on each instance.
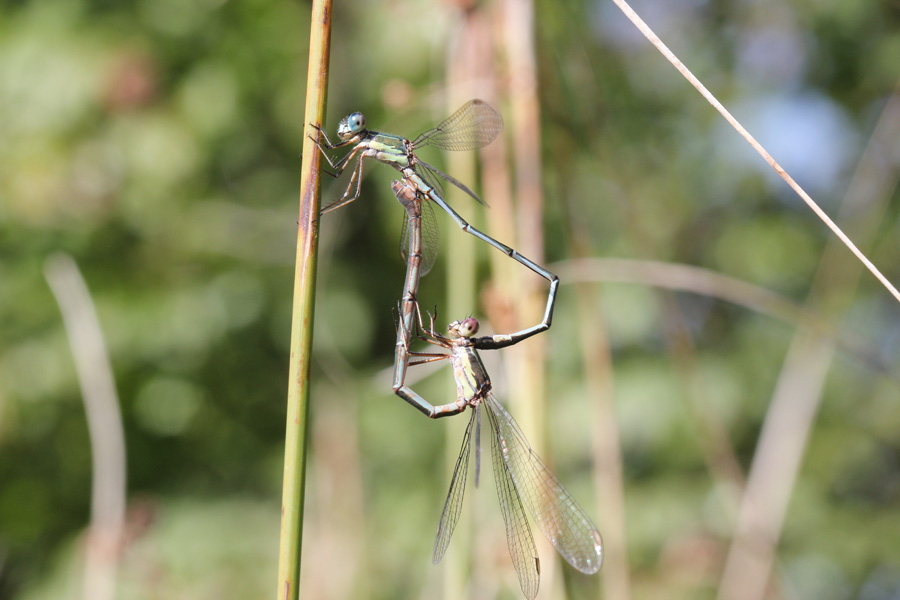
(304, 301)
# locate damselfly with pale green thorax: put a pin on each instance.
(474, 125)
(522, 478)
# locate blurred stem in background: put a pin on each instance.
(101, 406)
(526, 362)
(464, 63)
(798, 392)
(599, 376)
(524, 126)
(297, 417)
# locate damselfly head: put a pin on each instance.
(465, 328)
(351, 125)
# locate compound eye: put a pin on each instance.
(356, 122)
(468, 327)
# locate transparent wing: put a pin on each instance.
(430, 175)
(477, 444)
(453, 504)
(518, 534)
(557, 514)
(430, 238)
(474, 125)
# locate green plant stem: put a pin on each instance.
(302, 319)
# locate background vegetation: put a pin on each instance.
(157, 142)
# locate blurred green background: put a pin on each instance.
(157, 142)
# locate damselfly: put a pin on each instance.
(522, 478)
(474, 125)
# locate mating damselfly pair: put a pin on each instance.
(522, 478)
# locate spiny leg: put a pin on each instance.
(427, 358)
(402, 361)
(411, 396)
(341, 164)
(347, 198)
(328, 144)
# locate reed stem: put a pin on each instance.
(302, 320)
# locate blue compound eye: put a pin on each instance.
(351, 125)
(356, 122)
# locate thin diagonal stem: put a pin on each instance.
(685, 72)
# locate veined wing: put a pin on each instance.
(474, 125)
(453, 504)
(430, 176)
(429, 173)
(430, 237)
(557, 514)
(518, 534)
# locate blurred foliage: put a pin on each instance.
(157, 142)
